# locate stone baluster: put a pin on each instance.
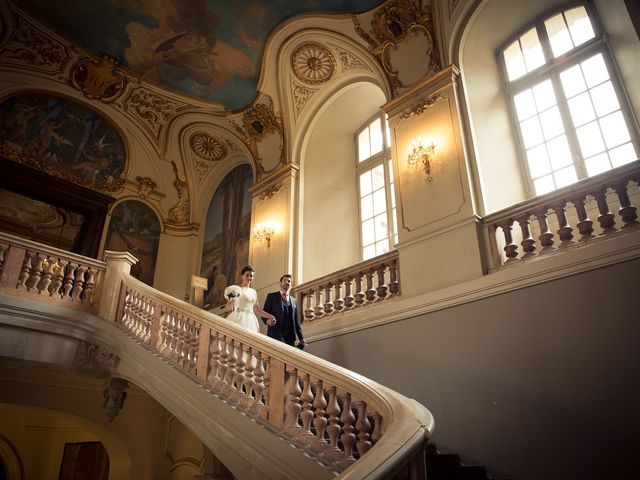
(174, 334)
(292, 406)
(68, 281)
(249, 378)
(214, 361)
(627, 211)
(58, 271)
(47, 274)
(78, 286)
(370, 293)
(510, 248)
(258, 385)
(338, 301)
(585, 225)
(151, 310)
(394, 284)
(237, 395)
(36, 273)
(319, 309)
(232, 359)
(546, 235)
(165, 332)
(328, 304)
(224, 364)
(192, 346)
(382, 288)
(264, 411)
(348, 297)
(308, 312)
(320, 420)
(606, 218)
(333, 453)
(348, 438)
(89, 285)
(25, 269)
(363, 428)
(359, 296)
(528, 243)
(306, 415)
(565, 232)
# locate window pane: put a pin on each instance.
(377, 176)
(531, 132)
(551, 123)
(382, 231)
(366, 207)
(590, 139)
(565, 177)
(573, 81)
(375, 131)
(605, 99)
(368, 232)
(581, 109)
(622, 155)
(544, 95)
(544, 185)
(559, 152)
(538, 161)
(597, 164)
(595, 70)
(532, 50)
(379, 201)
(614, 129)
(514, 61)
(363, 145)
(579, 25)
(525, 105)
(558, 35)
(365, 183)
(368, 252)
(382, 247)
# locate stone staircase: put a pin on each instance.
(448, 466)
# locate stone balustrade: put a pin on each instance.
(565, 217)
(31, 269)
(362, 284)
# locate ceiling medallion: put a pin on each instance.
(99, 79)
(313, 63)
(207, 147)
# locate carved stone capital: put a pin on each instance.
(113, 397)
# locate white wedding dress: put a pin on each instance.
(243, 314)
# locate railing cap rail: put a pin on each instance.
(609, 178)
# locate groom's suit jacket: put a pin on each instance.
(274, 304)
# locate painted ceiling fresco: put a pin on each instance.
(210, 49)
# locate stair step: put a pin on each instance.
(460, 472)
(443, 460)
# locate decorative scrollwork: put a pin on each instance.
(150, 108)
(420, 107)
(98, 80)
(271, 191)
(207, 147)
(31, 46)
(312, 63)
(301, 96)
(145, 186)
(179, 213)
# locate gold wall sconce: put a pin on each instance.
(263, 232)
(421, 155)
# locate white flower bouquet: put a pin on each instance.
(232, 291)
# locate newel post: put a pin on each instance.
(13, 263)
(118, 263)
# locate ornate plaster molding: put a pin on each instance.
(94, 359)
(180, 212)
(419, 107)
(270, 192)
(145, 186)
(151, 109)
(98, 79)
(301, 95)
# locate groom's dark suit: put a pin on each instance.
(287, 325)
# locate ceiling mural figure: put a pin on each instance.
(206, 49)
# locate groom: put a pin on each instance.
(283, 306)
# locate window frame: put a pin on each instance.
(551, 69)
(383, 157)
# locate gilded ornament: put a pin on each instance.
(29, 45)
(152, 109)
(180, 212)
(145, 186)
(207, 146)
(312, 63)
(271, 191)
(98, 79)
(422, 105)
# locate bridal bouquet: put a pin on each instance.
(232, 291)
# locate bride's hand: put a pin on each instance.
(231, 304)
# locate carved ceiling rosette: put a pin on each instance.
(208, 149)
(98, 79)
(33, 47)
(259, 122)
(391, 27)
(313, 63)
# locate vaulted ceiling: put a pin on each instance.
(209, 49)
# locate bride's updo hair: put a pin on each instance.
(248, 268)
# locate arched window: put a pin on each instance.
(378, 222)
(567, 103)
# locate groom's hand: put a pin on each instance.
(271, 321)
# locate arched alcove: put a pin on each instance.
(329, 200)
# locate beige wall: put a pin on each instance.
(539, 383)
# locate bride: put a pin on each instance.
(247, 311)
